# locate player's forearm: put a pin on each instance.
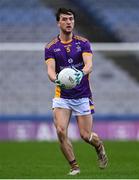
(52, 75)
(87, 69)
(88, 64)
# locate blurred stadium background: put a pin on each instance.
(112, 26)
(25, 91)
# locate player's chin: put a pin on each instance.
(69, 30)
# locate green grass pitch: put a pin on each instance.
(38, 160)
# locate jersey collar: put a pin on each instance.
(65, 42)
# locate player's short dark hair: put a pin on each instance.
(64, 11)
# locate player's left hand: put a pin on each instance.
(79, 75)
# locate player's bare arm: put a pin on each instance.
(88, 64)
(51, 70)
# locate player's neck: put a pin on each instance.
(66, 37)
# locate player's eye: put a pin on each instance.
(64, 19)
(71, 18)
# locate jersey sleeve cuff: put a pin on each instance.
(87, 53)
(46, 60)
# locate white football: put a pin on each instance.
(67, 77)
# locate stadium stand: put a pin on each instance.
(118, 17)
(24, 85)
(25, 91)
(25, 88)
(120, 20)
(32, 19)
(115, 91)
(26, 21)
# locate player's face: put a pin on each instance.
(66, 23)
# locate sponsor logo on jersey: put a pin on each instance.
(57, 50)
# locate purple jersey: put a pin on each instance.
(69, 54)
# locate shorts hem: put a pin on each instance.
(61, 107)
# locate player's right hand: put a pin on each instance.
(58, 83)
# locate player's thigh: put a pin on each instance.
(61, 117)
(85, 123)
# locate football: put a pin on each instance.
(67, 77)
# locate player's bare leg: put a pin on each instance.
(85, 126)
(61, 121)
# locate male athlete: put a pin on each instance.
(69, 50)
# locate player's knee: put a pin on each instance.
(84, 135)
(61, 133)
